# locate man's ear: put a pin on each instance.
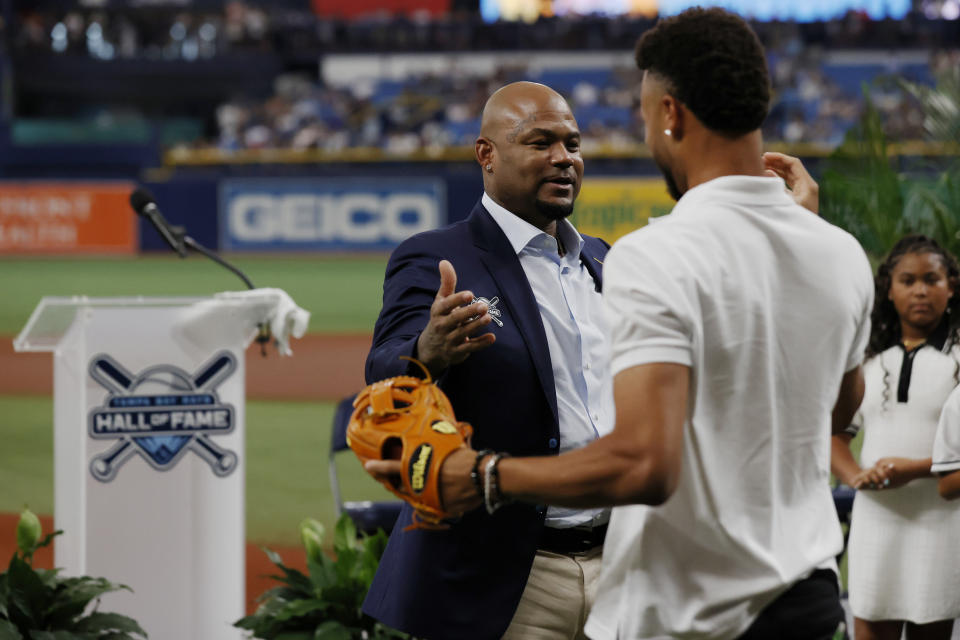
(673, 115)
(483, 149)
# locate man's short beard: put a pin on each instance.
(672, 187)
(554, 211)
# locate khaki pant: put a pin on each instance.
(560, 591)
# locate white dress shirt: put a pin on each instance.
(571, 310)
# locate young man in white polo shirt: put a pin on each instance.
(738, 325)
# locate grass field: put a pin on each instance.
(287, 479)
(287, 443)
(343, 294)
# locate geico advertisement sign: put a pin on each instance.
(327, 214)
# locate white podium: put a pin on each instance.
(148, 452)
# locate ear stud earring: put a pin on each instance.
(667, 132)
(489, 168)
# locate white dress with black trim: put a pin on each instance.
(902, 550)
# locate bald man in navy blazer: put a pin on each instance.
(504, 309)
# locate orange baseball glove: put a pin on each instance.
(409, 419)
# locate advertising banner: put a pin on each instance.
(66, 217)
(356, 8)
(609, 208)
(327, 214)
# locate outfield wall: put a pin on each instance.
(330, 207)
(327, 207)
(290, 208)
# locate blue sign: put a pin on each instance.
(761, 10)
(326, 214)
(808, 11)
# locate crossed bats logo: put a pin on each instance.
(160, 413)
(492, 309)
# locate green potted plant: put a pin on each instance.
(325, 603)
(937, 200)
(878, 195)
(41, 604)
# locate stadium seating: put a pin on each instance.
(233, 51)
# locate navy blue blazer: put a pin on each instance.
(465, 583)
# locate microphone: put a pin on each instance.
(176, 237)
(143, 203)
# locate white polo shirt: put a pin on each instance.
(769, 305)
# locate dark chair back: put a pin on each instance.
(367, 515)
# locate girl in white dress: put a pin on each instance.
(904, 570)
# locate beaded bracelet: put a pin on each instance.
(493, 498)
(475, 471)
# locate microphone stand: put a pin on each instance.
(190, 243)
(179, 235)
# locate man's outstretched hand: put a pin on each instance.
(454, 319)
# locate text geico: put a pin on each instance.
(352, 217)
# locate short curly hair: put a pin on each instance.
(714, 64)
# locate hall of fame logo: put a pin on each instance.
(160, 413)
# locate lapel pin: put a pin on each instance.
(491, 308)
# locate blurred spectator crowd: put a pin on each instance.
(817, 91)
(428, 112)
(144, 33)
(291, 30)
(815, 101)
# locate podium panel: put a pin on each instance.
(149, 452)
